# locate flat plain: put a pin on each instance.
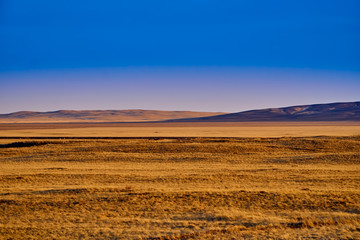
(181, 129)
(180, 188)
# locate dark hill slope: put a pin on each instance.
(347, 111)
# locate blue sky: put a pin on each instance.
(177, 55)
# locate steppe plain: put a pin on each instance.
(181, 129)
(184, 181)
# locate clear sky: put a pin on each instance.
(204, 55)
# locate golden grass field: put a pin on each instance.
(173, 129)
(184, 188)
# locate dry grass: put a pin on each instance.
(186, 129)
(201, 188)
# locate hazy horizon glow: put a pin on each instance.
(203, 55)
(225, 89)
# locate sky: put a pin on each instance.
(200, 55)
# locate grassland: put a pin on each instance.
(182, 129)
(185, 188)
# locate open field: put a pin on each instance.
(186, 129)
(185, 188)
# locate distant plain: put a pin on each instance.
(181, 129)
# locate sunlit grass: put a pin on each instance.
(200, 188)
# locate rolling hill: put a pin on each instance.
(99, 116)
(345, 111)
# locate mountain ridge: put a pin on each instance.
(128, 115)
(339, 111)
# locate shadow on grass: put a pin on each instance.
(23, 144)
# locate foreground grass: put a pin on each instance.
(194, 188)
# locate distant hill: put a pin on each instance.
(346, 111)
(99, 116)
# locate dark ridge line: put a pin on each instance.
(80, 122)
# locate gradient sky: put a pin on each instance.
(204, 55)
